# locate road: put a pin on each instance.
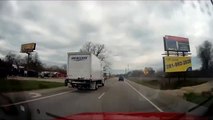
(115, 96)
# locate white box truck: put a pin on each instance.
(84, 71)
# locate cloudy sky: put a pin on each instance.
(132, 31)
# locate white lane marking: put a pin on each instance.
(36, 99)
(145, 97)
(101, 95)
(34, 95)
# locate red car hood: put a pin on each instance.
(132, 116)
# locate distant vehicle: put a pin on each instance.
(121, 78)
(44, 74)
(84, 71)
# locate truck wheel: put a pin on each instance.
(96, 86)
(102, 83)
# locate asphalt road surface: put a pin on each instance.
(115, 96)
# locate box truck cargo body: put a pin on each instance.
(84, 70)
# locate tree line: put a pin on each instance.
(34, 63)
(15, 65)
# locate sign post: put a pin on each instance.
(28, 49)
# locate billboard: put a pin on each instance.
(29, 47)
(177, 64)
(174, 43)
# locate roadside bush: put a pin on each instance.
(195, 98)
(5, 68)
(42, 86)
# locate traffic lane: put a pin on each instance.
(122, 98)
(70, 103)
(167, 102)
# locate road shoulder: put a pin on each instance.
(166, 101)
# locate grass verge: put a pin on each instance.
(196, 98)
(152, 83)
(163, 84)
(25, 85)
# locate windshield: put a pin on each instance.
(59, 59)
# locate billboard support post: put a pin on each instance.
(28, 60)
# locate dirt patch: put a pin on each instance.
(198, 89)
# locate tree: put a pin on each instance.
(98, 50)
(35, 63)
(15, 59)
(149, 71)
(11, 58)
(135, 73)
(159, 73)
(21, 60)
(5, 68)
(205, 53)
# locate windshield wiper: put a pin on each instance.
(56, 116)
(193, 108)
(200, 104)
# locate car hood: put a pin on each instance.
(131, 116)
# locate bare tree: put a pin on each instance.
(149, 71)
(205, 53)
(98, 50)
(88, 47)
(35, 63)
(15, 59)
(11, 58)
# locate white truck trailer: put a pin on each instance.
(84, 71)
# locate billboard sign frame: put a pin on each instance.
(175, 43)
(28, 47)
(177, 64)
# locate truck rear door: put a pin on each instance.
(79, 66)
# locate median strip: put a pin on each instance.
(145, 97)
